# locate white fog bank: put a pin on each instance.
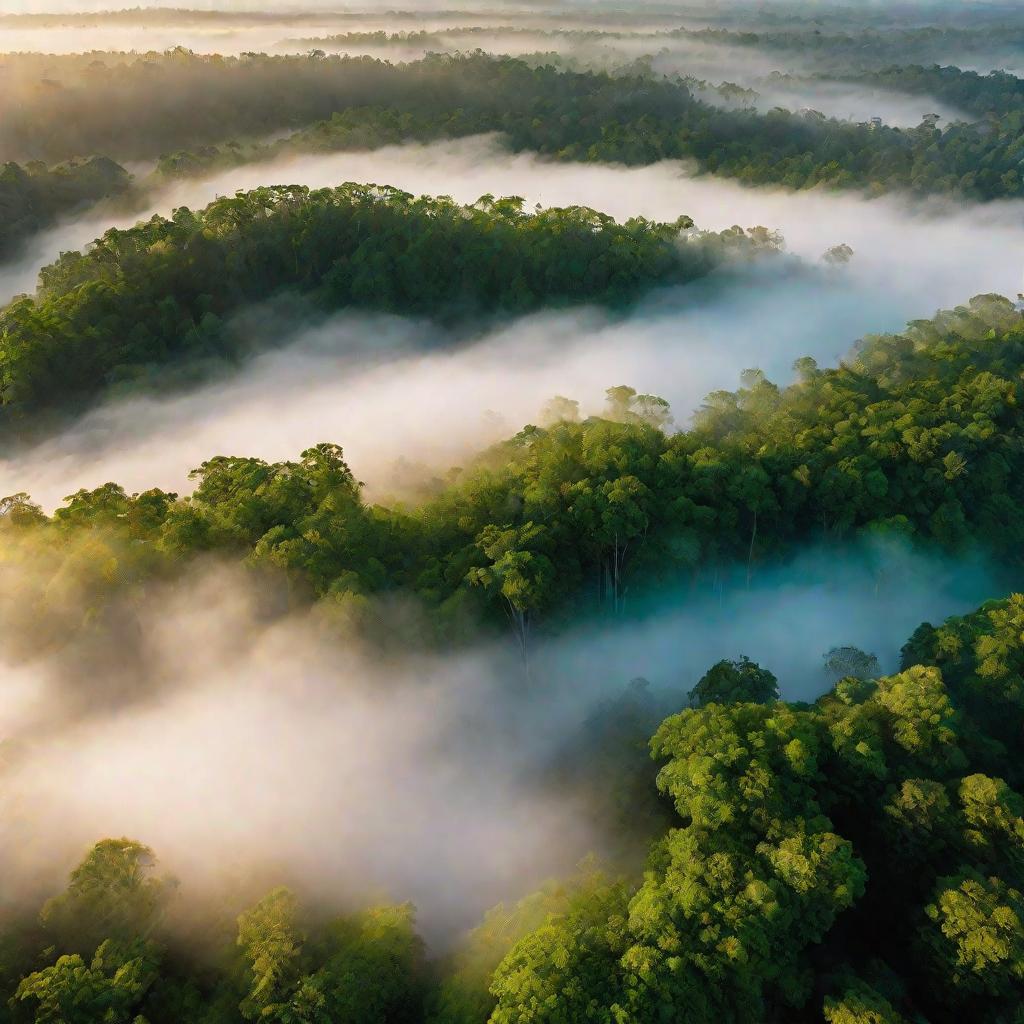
(269, 749)
(370, 384)
(394, 392)
(930, 254)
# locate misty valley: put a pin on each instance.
(512, 513)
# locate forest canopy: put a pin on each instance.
(519, 566)
(858, 858)
(358, 102)
(916, 438)
(162, 291)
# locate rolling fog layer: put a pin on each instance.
(276, 26)
(265, 747)
(928, 253)
(405, 15)
(367, 383)
(849, 102)
(668, 55)
(402, 412)
(712, 62)
(255, 745)
(750, 68)
(145, 39)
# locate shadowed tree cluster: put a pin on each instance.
(858, 859)
(160, 293)
(914, 440)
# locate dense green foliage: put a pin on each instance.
(637, 119)
(539, 103)
(106, 951)
(33, 197)
(849, 858)
(875, 45)
(916, 436)
(860, 859)
(857, 859)
(998, 93)
(161, 291)
(735, 682)
(140, 106)
(980, 656)
(631, 119)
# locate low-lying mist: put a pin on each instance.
(226, 39)
(928, 253)
(407, 400)
(846, 101)
(794, 81)
(265, 747)
(241, 739)
(389, 389)
(788, 80)
(245, 27)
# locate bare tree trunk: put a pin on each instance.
(524, 632)
(750, 552)
(520, 623)
(622, 571)
(523, 623)
(618, 565)
(615, 575)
